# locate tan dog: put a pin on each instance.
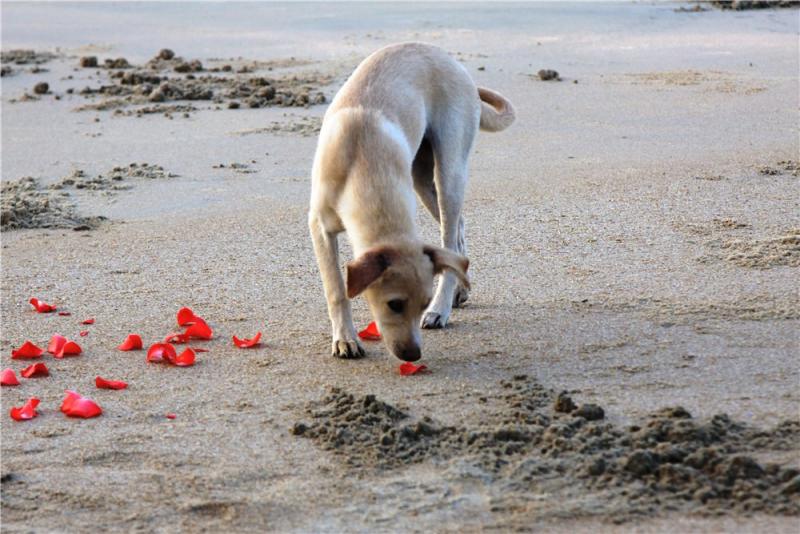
(404, 121)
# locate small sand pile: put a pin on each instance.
(304, 126)
(114, 179)
(764, 253)
(782, 168)
(26, 205)
(157, 82)
(26, 57)
(538, 442)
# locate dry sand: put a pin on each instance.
(633, 241)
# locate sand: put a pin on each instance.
(627, 360)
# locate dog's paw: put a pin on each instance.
(347, 349)
(433, 320)
(460, 297)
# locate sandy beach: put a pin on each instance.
(627, 360)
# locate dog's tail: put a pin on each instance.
(497, 113)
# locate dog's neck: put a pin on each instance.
(387, 215)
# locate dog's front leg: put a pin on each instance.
(345, 340)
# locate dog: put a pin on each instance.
(403, 122)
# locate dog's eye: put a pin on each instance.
(396, 305)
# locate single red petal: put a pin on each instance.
(76, 405)
(65, 313)
(27, 351)
(247, 343)
(84, 333)
(199, 349)
(158, 352)
(176, 338)
(41, 307)
(132, 342)
(37, 369)
(170, 416)
(408, 368)
(26, 411)
(56, 342)
(199, 329)
(102, 383)
(184, 359)
(185, 316)
(8, 378)
(370, 333)
(70, 348)
(90, 320)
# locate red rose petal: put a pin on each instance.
(83, 333)
(76, 405)
(185, 316)
(132, 342)
(199, 349)
(37, 369)
(170, 416)
(247, 343)
(41, 307)
(176, 338)
(26, 411)
(370, 333)
(90, 320)
(8, 378)
(56, 342)
(27, 351)
(65, 313)
(102, 383)
(159, 352)
(70, 348)
(409, 368)
(199, 330)
(184, 359)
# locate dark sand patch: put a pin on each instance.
(293, 125)
(531, 441)
(117, 179)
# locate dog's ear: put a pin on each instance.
(365, 269)
(443, 258)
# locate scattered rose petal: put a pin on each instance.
(90, 320)
(84, 333)
(132, 342)
(370, 333)
(199, 349)
(70, 348)
(409, 368)
(26, 411)
(65, 313)
(35, 370)
(102, 383)
(247, 343)
(8, 378)
(26, 352)
(56, 342)
(159, 352)
(185, 317)
(41, 307)
(170, 416)
(199, 330)
(76, 405)
(176, 338)
(184, 359)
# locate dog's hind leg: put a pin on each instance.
(422, 171)
(450, 177)
(345, 340)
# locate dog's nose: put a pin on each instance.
(410, 354)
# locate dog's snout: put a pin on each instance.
(409, 354)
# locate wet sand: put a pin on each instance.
(633, 240)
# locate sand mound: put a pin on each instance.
(26, 205)
(538, 441)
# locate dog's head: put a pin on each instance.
(398, 282)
